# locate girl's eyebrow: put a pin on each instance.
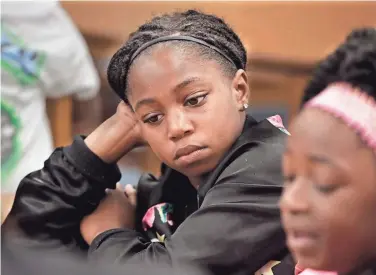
(179, 86)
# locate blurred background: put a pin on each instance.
(284, 41)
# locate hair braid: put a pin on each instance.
(354, 62)
(209, 28)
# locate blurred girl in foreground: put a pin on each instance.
(329, 200)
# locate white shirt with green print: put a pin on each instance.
(42, 55)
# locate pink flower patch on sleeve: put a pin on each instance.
(277, 122)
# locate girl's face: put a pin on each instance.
(190, 111)
(328, 204)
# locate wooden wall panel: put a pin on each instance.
(59, 112)
(298, 30)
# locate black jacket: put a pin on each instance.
(16, 260)
(231, 225)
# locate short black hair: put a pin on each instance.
(206, 27)
(353, 62)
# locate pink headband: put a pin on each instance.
(353, 106)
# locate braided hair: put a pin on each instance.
(354, 62)
(208, 28)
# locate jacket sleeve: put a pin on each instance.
(237, 229)
(50, 203)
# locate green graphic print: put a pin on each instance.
(10, 144)
(24, 65)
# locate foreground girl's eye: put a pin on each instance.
(326, 188)
(288, 179)
(195, 101)
(153, 119)
(326, 178)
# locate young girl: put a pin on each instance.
(329, 200)
(182, 78)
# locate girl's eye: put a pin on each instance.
(153, 119)
(327, 188)
(195, 101)
(288, 180)
(326, 179)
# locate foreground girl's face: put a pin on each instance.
(190, 111)
(329, 201)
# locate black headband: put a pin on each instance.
(181, 38)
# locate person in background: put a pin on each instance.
(43, 55)
(185, 93)
(329, 199)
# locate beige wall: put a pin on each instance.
(299, 30)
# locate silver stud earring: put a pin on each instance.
(245, 106)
